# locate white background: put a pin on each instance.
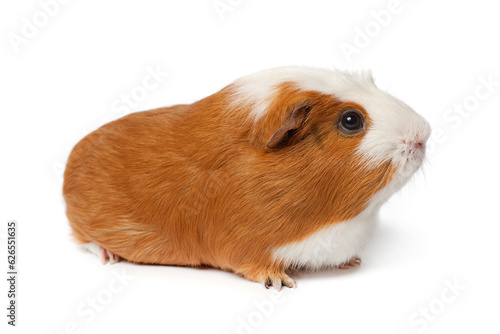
(442, 229)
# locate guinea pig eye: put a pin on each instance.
(351, 121)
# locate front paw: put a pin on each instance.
(275, 277)
(277, 280)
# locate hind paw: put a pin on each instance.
(102, 253)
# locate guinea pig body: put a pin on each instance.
(282, 169)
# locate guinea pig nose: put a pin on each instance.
(416, 143)
(421, 139)
(420, 144)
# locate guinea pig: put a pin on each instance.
(282, 169)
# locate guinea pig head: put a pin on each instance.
(350, 137)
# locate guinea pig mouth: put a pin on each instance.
(413, 149)
(410, 156)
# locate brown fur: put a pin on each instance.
(196, 185)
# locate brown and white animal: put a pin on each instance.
(281, 169)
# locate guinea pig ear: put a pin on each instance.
(296, 119)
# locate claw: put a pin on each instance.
(113, 258)
(277, 284)
(104, 256)
(353, 262)
(290, 283)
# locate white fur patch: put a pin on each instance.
(396, 132)
(257, 89)
(337, 243)
(331, 246)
